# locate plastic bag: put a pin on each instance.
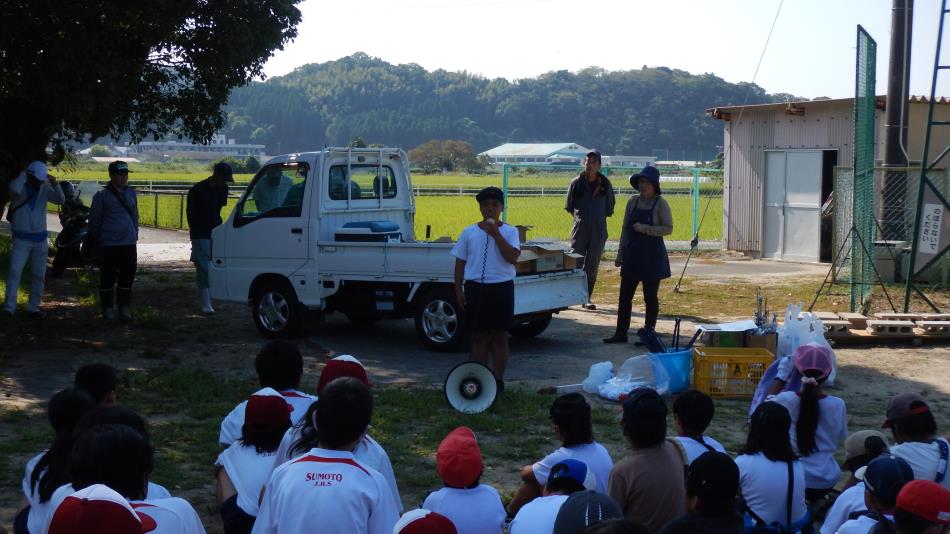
(599, 373)
(801, 328)
(636, 372)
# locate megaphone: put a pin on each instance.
(470, 387)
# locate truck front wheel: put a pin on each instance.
(439, 321)
(532, 327)
(276, 311)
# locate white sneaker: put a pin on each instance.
(205, 296)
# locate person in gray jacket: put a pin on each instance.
(29, 194)
(590, 200)
(114, 221)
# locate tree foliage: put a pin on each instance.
(620, 112)
(74, 70)
(449, 155)
(99, 151)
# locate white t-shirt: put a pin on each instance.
(475, 510)
(471, 248)
(593, 454)
(248, 471)
(694, 449)
(369, 452)
(172, 516)
(233, 423)
(923, 459)
(538, 516)
(155, 492)
(329, 491)
(821, 469)
(851, 500)
(764, 485)
(861, 525)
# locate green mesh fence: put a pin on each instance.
(862, 242)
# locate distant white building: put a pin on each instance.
(557, 154)
(218, 147)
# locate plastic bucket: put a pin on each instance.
(678, 365)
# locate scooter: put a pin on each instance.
(74, 246)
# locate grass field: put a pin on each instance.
(448, 215)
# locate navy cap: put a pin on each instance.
(583, 509)
(223, 168)
(575, 470)
(593, 152)
(885, 476)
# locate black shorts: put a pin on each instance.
(489, 306)
(236, 520)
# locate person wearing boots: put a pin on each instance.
(642, 256)
(114, 220)
(205, 200)
(590, 200)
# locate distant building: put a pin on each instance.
(218, 147)
(556, 154)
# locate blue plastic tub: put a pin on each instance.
(678, 365)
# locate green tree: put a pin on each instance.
(252, 164)
(99, 151)
(134, 69)
(357, 142)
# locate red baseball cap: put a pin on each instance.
(343, 365)
(458, 458)
(422, 521)
(927, 500)
(267, 410)
(98, 509)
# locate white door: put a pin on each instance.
(270, 231)
(792, 214)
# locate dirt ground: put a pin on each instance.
(36, 360)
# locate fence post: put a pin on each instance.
(504, 191)
(695, 201)
(181, 210)
(155, 220)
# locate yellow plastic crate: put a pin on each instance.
(728, 371)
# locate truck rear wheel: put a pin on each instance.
(439, 321)
(532, 327)
(277, 313)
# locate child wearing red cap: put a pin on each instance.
(474, 508)
(244, 467)
(302, 436)
(279, 366)
(422, 521)
(923, 507)
(99, 509)
(819, 421)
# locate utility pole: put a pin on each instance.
(896, 113)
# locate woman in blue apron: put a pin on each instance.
(642, 255)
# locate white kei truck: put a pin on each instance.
(332, 231)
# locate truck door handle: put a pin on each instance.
(296, 230)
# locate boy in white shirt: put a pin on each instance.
(860, 448)
(915, 429)
(485, 258)
(538, 516)
(328, 489)
(472, 507)
(883, 479)
(97, 508)
(279, 365)
(692, 412)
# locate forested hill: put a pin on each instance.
(621, 112)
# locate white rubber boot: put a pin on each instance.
(206, 307)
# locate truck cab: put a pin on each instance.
(333, 231)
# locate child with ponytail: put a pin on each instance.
(819, 421)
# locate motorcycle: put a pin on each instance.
(74, 246)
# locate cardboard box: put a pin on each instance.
(550, 258)
(573, 261)
(523, 233)
(768, 342)
(527, 262)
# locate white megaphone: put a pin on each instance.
(470, 387)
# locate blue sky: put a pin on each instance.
(811, 52)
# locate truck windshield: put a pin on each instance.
(277, 190)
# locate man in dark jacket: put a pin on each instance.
(712, 485)
(590, 200)
(205, 200)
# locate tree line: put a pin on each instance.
(620, 112)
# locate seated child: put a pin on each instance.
(538, 516)
(570, 414)
(98, 508)
(472, 507)
(692, 412)
(279, 366)
(883, 479)
(99, 381)
(860, 448)
(422, 521)
(243, 468)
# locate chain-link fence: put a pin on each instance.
(536, 198)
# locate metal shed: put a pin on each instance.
(779, 164)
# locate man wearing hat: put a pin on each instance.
(205, 200)
(642, 256)
(29, 193)
(915, 432)
(114, 221)
(590, 200)
(923, 507)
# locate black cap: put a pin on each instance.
(223, 168)
(713, 476)
(491, 192)
(119, 166)
(583, 509)
(593, 152)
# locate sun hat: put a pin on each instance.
(342, 365)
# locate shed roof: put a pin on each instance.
(534, 149)
(723, 112)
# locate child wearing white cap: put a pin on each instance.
(29, 193)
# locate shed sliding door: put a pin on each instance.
(792, 216)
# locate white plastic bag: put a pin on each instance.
(636, 372)
(599, 373)
(801, 328)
